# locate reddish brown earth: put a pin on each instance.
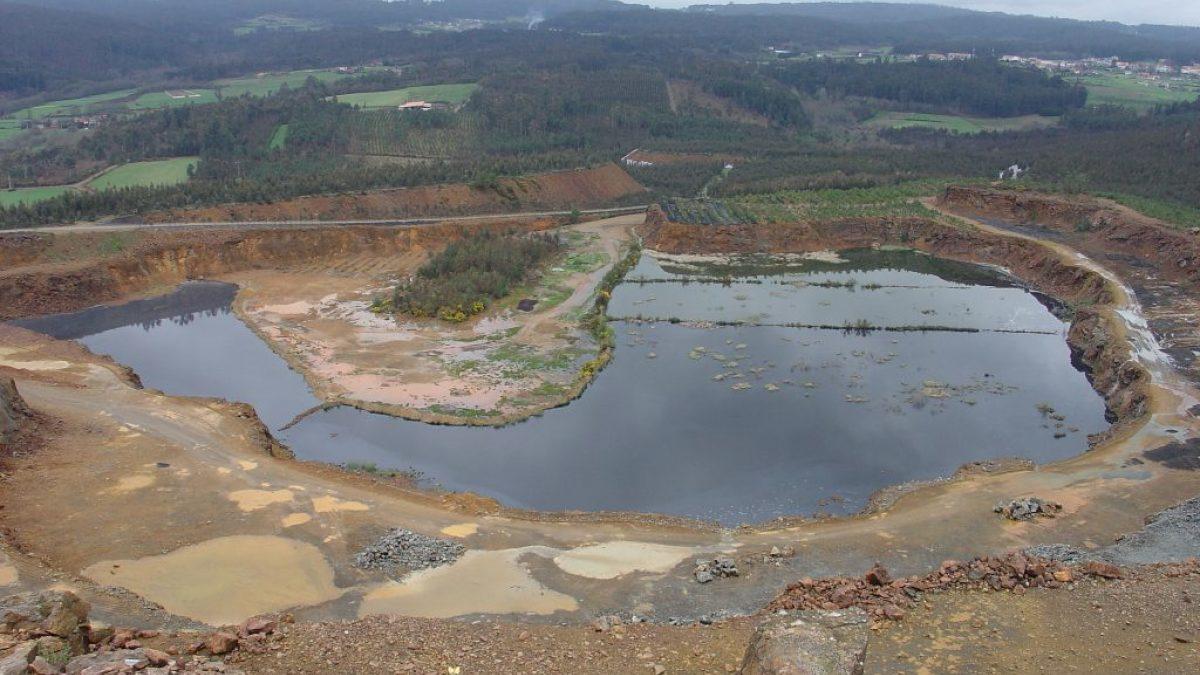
(157, 259)
(583, 188)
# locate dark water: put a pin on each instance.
(736, 424)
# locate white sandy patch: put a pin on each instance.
(37, 365)
(617, 558)
(247, 465)
(127, 484)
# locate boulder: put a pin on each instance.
(221, 643)
(809, 643)
(59, 613)
(17, 663)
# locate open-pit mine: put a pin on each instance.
(669, 425)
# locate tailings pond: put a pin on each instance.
(741, 390)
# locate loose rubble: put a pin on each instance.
(809, 642)
(883, 597)
(405, 550)
(1028, 508)
(713, 569)
(49, 633)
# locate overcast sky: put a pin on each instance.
(1177, 12)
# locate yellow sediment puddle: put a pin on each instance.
(331, 504)
(617, 558)
(481, 582)
(253, 500)
(226, 580)
(294, 519)
(130, 483)
(460, 530)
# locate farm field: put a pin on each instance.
(30, 195)
(138, 174)
(174, 97)
(270, 22)
(960, 124)
(1136, 93)
(453, 94)
(71, 105)
(9, 128)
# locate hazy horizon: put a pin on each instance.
(1169, 12)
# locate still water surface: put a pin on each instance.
(730, 423)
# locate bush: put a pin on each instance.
(470, 274)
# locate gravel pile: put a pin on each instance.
(408, 551)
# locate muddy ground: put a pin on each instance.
(166, 511)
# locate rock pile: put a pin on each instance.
(1028, 508)
(883, 597)
(14, 414)
(405, 550)
(49, 632)
(713, 569)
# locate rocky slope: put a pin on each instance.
(14, 414)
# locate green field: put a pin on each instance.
(9, 128)
(960, 124)
(453, 94)
(1132, 92)
(269, 22)
(71, 105)
(158, 172)
(278, 138)
(30, 195)
(161, 99)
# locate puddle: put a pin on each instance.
(224, 581)
(481, 582)
(294, 519)
(733, 423)
(617, 558)
(461, 530)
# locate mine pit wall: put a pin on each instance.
(1176, 253)
(1096, 335)
(15, 416)
(198, 254)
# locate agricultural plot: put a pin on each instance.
(72, 106)
(1137, 93)
(172, 98)
(791, 206)
(9, 128)
(145, 174)
(960, 124)
(454, 94)
(273, 22)
(29, 196)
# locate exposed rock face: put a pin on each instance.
(14, 414)
(56, 614)
(809, 643)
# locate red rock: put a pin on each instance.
(222, 643)
(257, 625)
(878, 576)
(1103, 570)
(121, 637)
(156, 658)
(1063, 576)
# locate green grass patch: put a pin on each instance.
(453, 94)
(30, 195)
(138, 174)
(274, 22)
(71, 106)
(9, 128)
(1179, 215)
(1135, 92)
(173, 98)
(279, 137)
(961, 124)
